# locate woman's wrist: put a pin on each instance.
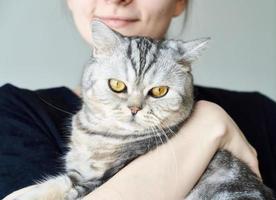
(227, 133)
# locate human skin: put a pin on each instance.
(171, 170)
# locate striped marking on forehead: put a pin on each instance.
(142, 53)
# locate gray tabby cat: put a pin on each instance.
(136, 93)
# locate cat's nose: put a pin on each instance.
(134, 109)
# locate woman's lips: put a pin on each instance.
(115, 22)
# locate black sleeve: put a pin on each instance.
(30, 145)
(263, 135)
(256, 116)
(270, 121)
(269, 115)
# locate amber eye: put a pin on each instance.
(116, 85)
(158, 92)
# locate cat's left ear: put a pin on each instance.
(104, 39)
(186, 52)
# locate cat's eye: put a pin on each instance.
(158, 92)
(116, 85)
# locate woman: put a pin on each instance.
(32, 130)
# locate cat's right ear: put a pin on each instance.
(186, 52)
(104, 39)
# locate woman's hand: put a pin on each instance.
(208, 115)
(172, 170)
(231, 139)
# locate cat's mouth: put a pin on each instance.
(133, 121)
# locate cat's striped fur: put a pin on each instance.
(106, 136)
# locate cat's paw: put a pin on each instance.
(34, 194)
(56, 188)
(16, 194)
(41, 192)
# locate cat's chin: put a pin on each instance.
(133, 126)
(128, 127)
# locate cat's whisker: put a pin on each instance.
(172, 152)
(160, 137)
(154, 134)
(54, 106)
(155, 122)
(175, 159)
(168, 128)
(163, 132)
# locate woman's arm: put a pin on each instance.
(172, 170)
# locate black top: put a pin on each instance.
(35, 125)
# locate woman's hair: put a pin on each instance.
(183, 20)
(187, 15)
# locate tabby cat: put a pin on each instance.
(136, 93)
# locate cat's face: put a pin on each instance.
(137, 83)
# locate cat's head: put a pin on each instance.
(135, 83)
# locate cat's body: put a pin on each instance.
(136, 94)
(227, 178)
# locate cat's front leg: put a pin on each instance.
(56, 188)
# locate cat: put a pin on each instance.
(136, 93)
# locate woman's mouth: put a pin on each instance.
(117, 22)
